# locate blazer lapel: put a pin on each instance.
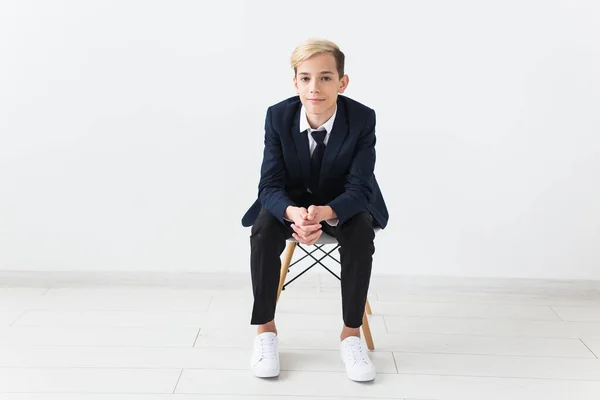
(336, 139)
(302, 146)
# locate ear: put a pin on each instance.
(296, 85)
(343, 84)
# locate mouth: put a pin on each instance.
(315, 100)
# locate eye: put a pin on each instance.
(326, 78)
(304, 79)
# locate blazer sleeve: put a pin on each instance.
(359, 183)
(271, 188)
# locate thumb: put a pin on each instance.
(303, 212)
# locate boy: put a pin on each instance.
(316, 176)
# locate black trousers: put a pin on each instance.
(267, 242)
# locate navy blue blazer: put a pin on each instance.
(347, 183)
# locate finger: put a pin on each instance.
(312, 228)
(302, 230)
(306, 223)
(309, 227)
(298, 230)
(313, 236)
(317, 234)
(308, 230)
(299, 239)
(311, 212)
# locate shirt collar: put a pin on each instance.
(304, 125)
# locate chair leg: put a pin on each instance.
(367, 332)
(285, 265)
(367, 329)
(368, 308)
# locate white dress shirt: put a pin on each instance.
(312, 143)
(305, 126)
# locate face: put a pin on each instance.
(318, 83)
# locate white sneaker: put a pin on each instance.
(265, 357)
(358, 364)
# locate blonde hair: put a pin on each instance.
(310, 47)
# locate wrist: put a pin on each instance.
(329, 213)
(288, 212)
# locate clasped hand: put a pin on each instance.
(306, 223)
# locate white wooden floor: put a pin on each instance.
(189, 337)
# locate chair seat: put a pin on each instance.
(327, 239)
(323, 239)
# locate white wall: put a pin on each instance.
(120, 123)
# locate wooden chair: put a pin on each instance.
(324, 240)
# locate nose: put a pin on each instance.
(314, 86)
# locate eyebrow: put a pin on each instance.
(322, 73)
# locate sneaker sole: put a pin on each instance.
(266, 374)
(361, 378)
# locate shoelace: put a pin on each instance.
(355, 352)
(267, 347)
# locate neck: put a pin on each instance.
(316, 120)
